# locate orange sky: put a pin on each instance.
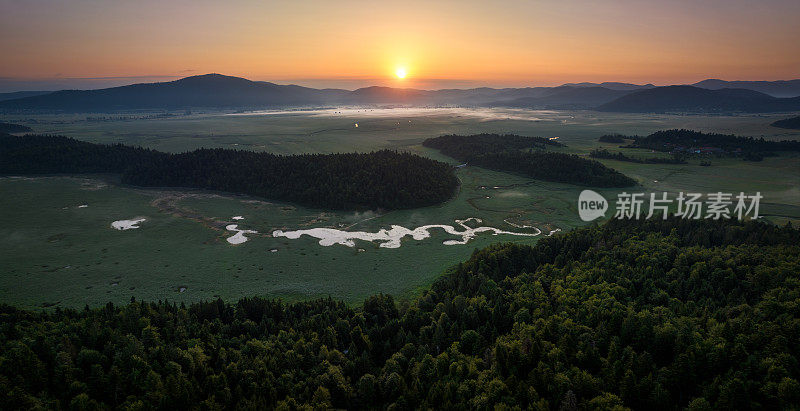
(442, 44)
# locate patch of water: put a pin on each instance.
(127, 224)
(391, 238)
(239, 237)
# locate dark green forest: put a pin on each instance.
(526, 156)
(679, 139)
(13, 128)
(382, 179)
(657, 314)
(614, 138)
(463, 147)
(790, 123)
(677, 158)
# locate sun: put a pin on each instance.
(401, 72)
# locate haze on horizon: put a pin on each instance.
(350, 44)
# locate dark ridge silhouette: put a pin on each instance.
(612, 85)
(21, 94)
(227, 92)
(779, 88)
(700, 100)
(210, 90)
(567, 97)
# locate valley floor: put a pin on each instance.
(60, 248)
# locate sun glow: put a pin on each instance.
(401, 72)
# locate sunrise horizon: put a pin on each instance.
(416, 205)
(11, 84)
(356, 44)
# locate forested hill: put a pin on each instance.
(382, 179)
(210, 90)
(525, 156)
(669, 140)
(790, 123)
(566, 97)
(21, 94)
(779, 88)
(462, 147)
(648, 315)
(13, 128)
(694, 99)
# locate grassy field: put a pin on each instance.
(57, 253)
(332, 132)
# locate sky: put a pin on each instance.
(51, 44)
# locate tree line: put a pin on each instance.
(382, 179)
(676, 158)
(614, 138)
(669, 140)
(657, 314)
(526, 156)
(13, 128)
(463, 147)
(790, 123)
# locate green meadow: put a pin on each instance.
(57, 253)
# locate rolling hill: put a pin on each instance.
(612, 85)
(567, 97)
(780, 88)
(210, 90)
(227, 92)
(220, 91)
(21, 94)
(695, 99)
(790, 123)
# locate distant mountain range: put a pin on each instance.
(695, 99)
(219, 91)
(211, 90)
(565, 97)
(612, 85)
(226, 92)
(21, 94)
(780, 88)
